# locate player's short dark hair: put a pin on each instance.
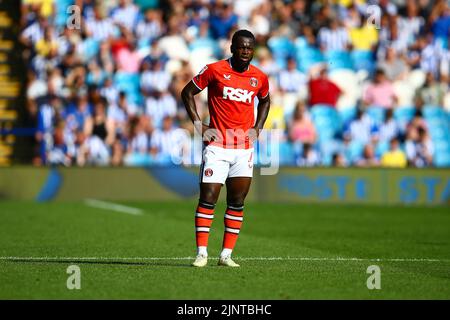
(242, 33)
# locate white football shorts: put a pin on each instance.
(219, 163)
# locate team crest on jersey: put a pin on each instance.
(208, 172)
(253, 82)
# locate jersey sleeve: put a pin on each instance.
(203, 78)
(264, 90)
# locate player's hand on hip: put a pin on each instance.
(208, 134)
(253, 134)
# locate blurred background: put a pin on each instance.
(91, 122)
(353, 83)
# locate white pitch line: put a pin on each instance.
(112, 206)
(237, 258)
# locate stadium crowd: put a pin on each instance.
(352, 83)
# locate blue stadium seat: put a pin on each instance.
(327, 149)
(326, 120)
(61, 14)
(282, 48)
(300, 43)
(206, 44)
(338, 60)
(287, 154)
(129, 83)
(437, 133)
(377, 114)
(430, 112)
(355, 151)
(381, 148)
(437, 122)
(404, 115)
(442, 160)
(143, 43)
(91, 48)
(363, 60)
(322, 110)
(263, 153)
(442, 145)
(307, 57)
(347, 115)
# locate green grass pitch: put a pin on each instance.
(123, 256)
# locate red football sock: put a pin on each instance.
(233, 221)
(203, 220)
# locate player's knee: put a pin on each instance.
(235, 204)
(237, 199)
(209, 195)
(208, 198)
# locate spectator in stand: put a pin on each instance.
(412, 24)
(126, 14)
(129, 59)
(34, 32)
(169, 144)
(159, 105)
(99, 27)
(222, 20)
(394, 157)
(440, 21)
(432, 93)
(138, 137)
(118, 116)
(322, 90)
(418, 122)
(76, 117)
(363, 36)
(361, 129)
(419, 148)
(430, 55)
(91, 150)
(59, 152)
(291, 79)
(368, 158)
(338, 160)
(266, 62)
(109, 91)
(47, 46)
(380, 92)
(309, 157)
(333, 37)
(389, 129)
(302, 129)
(153, 77)
(97, 124)
(394, 66)
(151, 27)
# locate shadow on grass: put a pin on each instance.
(102, 262)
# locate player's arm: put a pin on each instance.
(187, 95)
(263, 111)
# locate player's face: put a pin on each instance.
(243, 50)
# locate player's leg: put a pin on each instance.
(213, 173)
(238, 185)
(237, 189)
(209, 192)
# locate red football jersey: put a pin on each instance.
(231, 97)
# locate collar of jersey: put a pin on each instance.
(229, 63)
